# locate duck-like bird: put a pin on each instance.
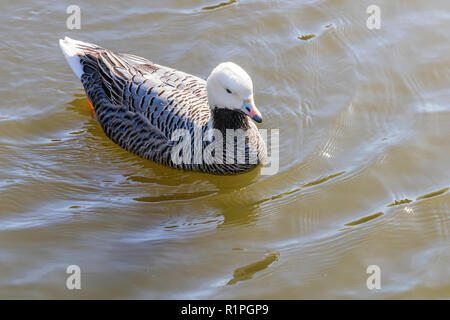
(169, 116)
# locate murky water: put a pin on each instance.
(364, 121)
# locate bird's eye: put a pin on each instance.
(229, 91)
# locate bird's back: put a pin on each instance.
(168, 98)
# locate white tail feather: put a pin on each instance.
(72, 54)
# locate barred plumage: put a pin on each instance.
(141, 105)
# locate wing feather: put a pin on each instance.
(163, 95)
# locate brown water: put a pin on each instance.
(364, 121)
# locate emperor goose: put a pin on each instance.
(145, 108)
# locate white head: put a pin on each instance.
(230, 87)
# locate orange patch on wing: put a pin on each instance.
(91, 108)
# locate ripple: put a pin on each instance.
(399, 202)
(306, 37)
(364, 219)
(433, 194)
(220, 5)
(178, 197)
(323, 180)
(247, 272)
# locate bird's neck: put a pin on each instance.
(229, 119)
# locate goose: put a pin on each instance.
(168, 116)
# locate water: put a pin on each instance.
(364, 121)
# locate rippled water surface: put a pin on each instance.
(364, 119)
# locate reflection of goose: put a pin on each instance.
(140, 105)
